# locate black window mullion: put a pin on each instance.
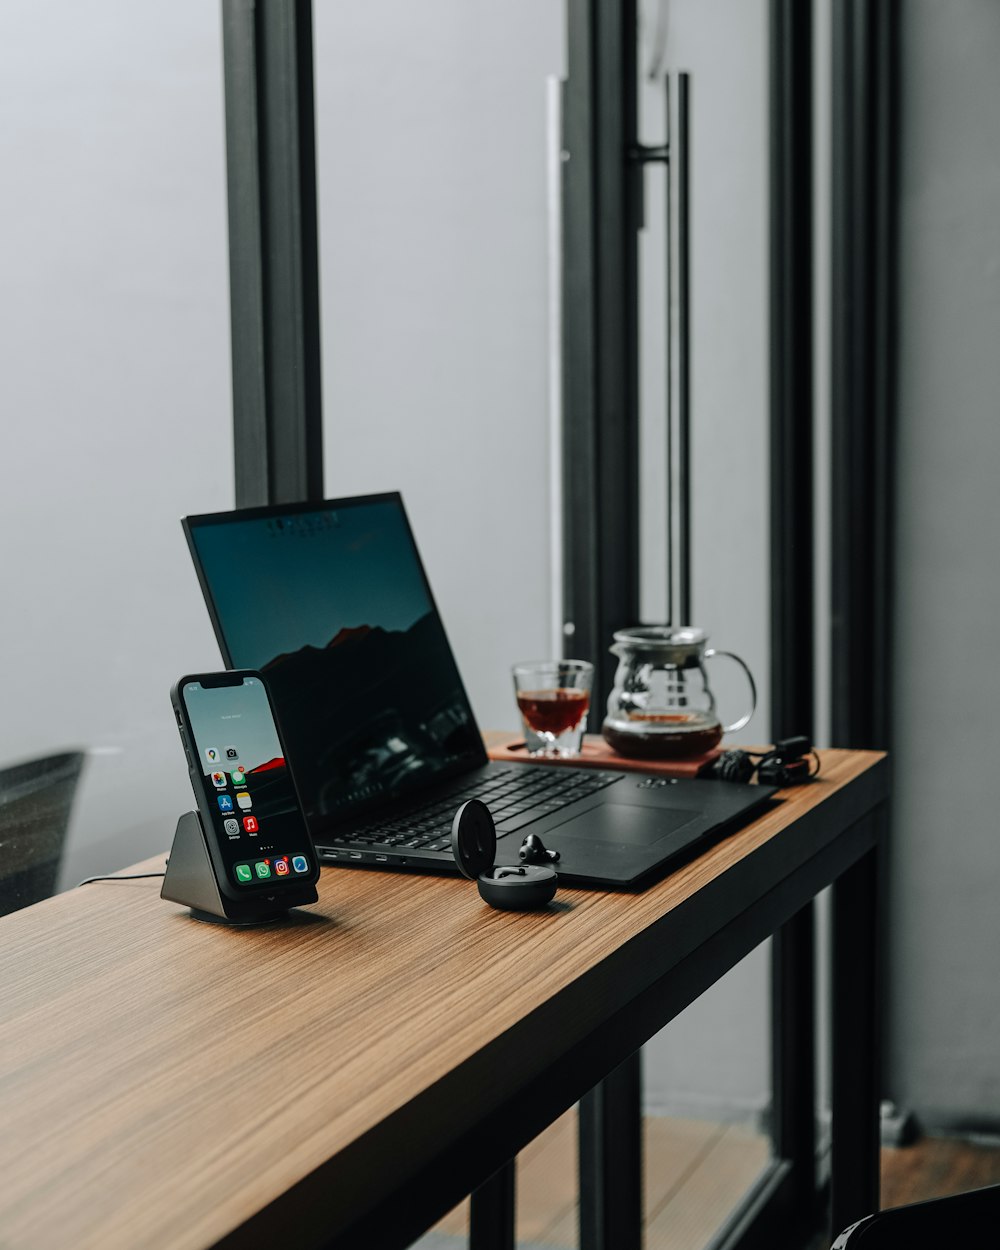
(273, 250)
(600, 353)
(792, 649)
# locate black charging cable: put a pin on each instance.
(788, 763)
(121, 876)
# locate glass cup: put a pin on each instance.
(553, 697)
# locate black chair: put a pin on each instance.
(36, 798)
(969, 1221)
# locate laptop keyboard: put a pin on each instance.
(516, 798)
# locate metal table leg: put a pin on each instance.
(491, 1212)
(611, 1161)
(854, 1164)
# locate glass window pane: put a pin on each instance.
(431, 152)
(707, 1084)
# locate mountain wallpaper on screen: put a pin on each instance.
(370, 713)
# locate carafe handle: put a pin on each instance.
(743, 720)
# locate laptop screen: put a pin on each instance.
(330, 602)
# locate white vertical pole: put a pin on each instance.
(554, 162)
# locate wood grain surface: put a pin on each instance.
(162, 1080)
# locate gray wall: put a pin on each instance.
(945, 931)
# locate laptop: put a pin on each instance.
(331, 603)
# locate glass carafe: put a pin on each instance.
(662, 706)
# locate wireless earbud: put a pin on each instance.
(533, 851)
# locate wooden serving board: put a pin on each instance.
(596, 753)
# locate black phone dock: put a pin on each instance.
(190, 881)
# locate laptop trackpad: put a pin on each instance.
(615, 822)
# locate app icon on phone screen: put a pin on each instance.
(243, 872)
(219, 781)
(244, 800)
(232, 753)
(212, 755)
(231, 826)
(225, 802)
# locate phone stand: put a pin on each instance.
(190, 880)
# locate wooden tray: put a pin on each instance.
(596, 753)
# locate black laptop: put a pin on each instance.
(330, 601)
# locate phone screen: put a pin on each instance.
(247, 789)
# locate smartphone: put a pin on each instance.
(255, 830)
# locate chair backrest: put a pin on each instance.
(36, 798)
(970, 1221)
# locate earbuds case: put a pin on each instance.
(514, 887)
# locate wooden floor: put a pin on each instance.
(695, 1173)
(935, 1167)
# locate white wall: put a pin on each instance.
(945, 865)
(114, 393)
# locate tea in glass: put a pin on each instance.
(553, 697)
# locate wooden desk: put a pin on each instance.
(347, 1077)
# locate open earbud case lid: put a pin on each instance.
(474, 839)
